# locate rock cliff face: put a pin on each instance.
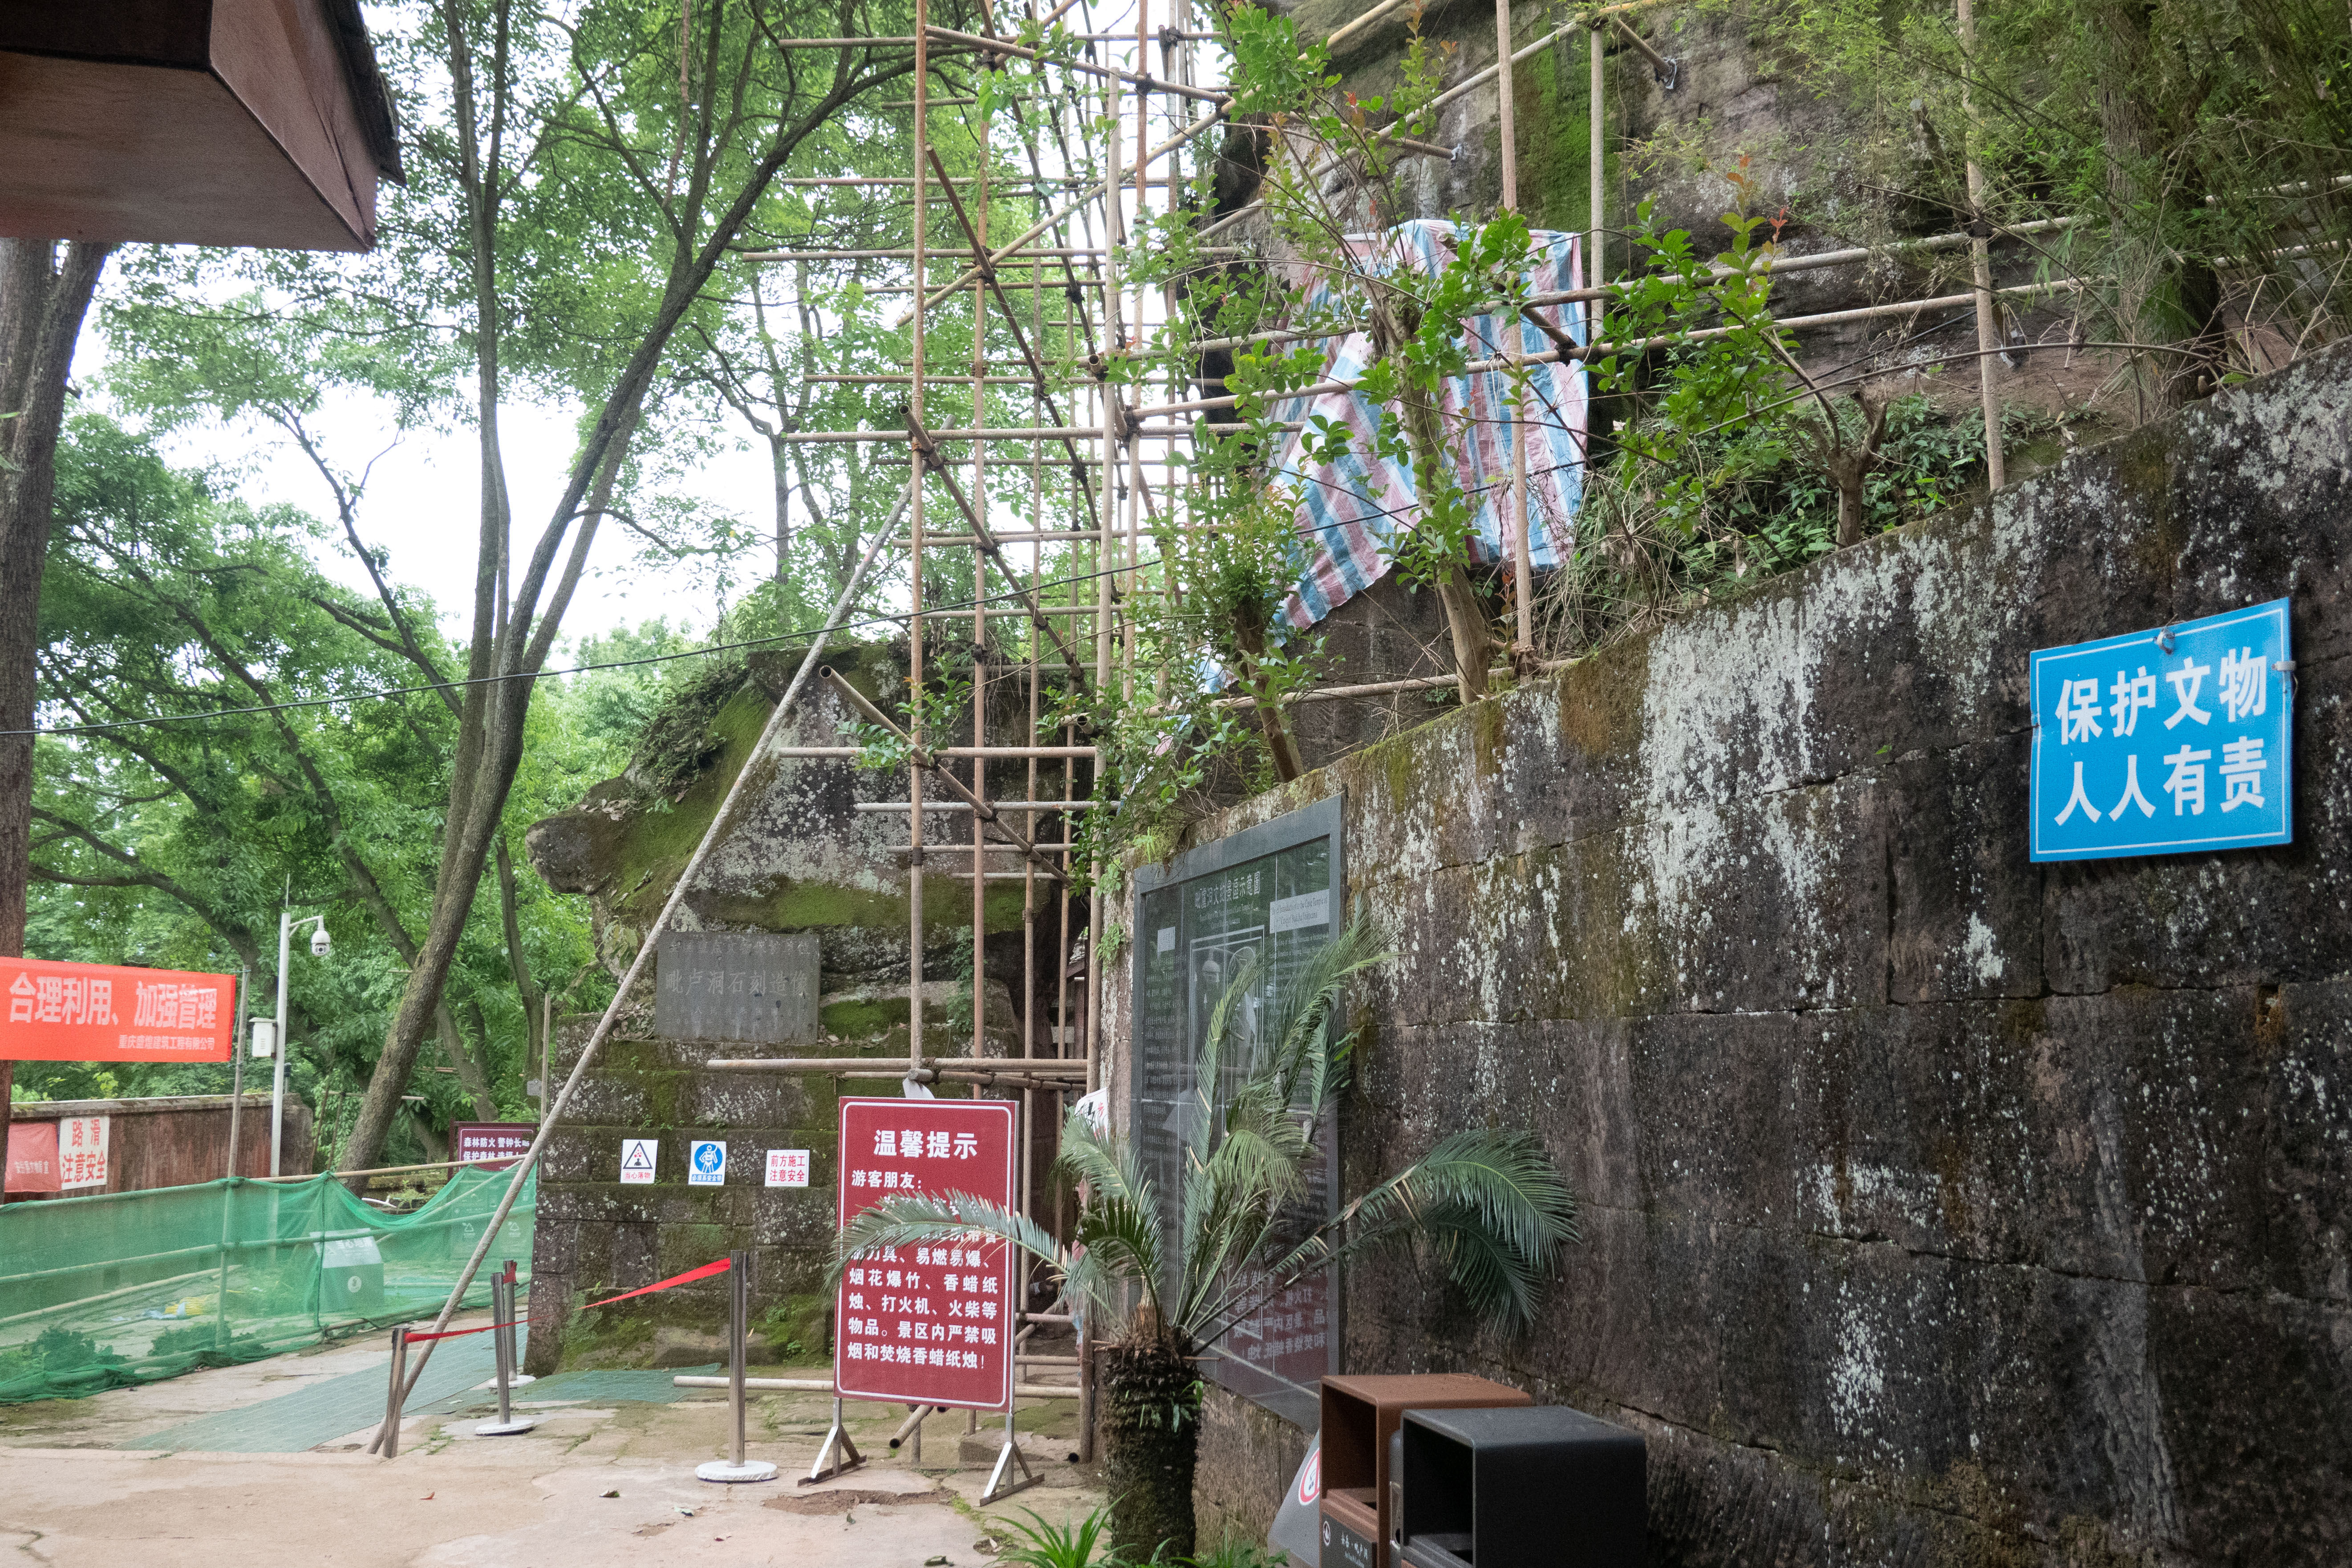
(802, 858)
(1940, 1207)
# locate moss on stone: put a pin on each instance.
(795, 1326)
(657, 842)
(851, 1019)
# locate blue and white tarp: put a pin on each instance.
(1349, 511)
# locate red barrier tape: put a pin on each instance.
(705, 1272)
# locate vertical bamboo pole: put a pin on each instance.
(915, 558)
(1115, 338)
(1522, 564)
(1135, 442)
(980, 620)
(1595, 272)
(1507, 130)
(1980, 267)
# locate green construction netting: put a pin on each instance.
(101, 1292)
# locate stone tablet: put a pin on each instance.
(727, 986)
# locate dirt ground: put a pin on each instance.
(591, 1485)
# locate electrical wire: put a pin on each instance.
(800, 634)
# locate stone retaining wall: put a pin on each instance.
(1938, 1207)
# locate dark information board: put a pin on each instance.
(1268, 894)
(759, 986)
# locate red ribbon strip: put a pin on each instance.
(705, 1272)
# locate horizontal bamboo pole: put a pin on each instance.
(991, 754)
(904, 380)
(1021, 51)
(1012, 432)
(1063, 213)
(396, 1170)
(1059, 254)
(997, 805)
(826, 1067)
(1813, 263)
(1554, 357)
(825, 1385)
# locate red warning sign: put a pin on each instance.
(926, 1325)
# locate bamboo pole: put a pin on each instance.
(1980, 268)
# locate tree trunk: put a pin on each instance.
(43, 299)
(527, 990)
(2160, 298)
(1280, 744)
(1152, 1439)
(1465, 618)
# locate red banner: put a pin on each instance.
(33, 1157)
(103, 1013)
(498, 1144)
(926, 1325)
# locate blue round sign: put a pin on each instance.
(707, 1158)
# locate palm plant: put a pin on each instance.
(1489, 1206)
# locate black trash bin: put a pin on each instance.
(1541, 1487)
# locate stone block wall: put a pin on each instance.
(596, 1236)
(1938, 1207)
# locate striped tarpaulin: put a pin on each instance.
(1349, 509)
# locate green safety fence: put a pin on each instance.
(103, 1292)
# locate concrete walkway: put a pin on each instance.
(593, 1484)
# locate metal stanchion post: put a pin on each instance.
(512, 1319)
(735, 1467)
(391, 1399)
(502, 1341)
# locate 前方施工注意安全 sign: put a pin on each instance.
(927, 1325)
(2166, 742)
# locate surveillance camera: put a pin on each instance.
(320, 944)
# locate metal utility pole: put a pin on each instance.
(321, 945)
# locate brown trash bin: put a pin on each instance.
(1359, 1413)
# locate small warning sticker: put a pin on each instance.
(637, 1161)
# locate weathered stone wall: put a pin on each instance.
(1940, 1208)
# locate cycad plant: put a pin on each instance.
(1160, 1288)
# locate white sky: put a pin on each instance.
(422, 504)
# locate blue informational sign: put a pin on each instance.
(706, 1163)
(2166, 742)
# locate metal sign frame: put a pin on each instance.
(982, 1298)
(1318, 823)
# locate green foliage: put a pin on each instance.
(1034, 1542)
(173, 843)
(676, 742)
(1239, 1552)
(2196, 147)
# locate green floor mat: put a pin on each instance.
(309, 1416)
(587, 1388)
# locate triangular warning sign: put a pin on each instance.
(640, 1157)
